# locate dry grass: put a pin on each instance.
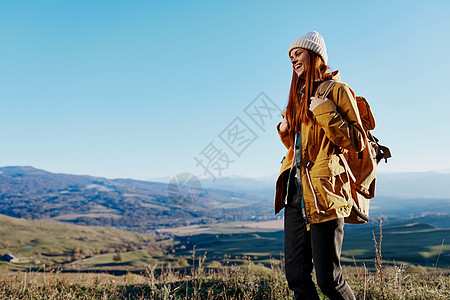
(249, 281)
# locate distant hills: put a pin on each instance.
(415, 223)
(26, 192)
(421, 197)
(396, 185)
(413, 185)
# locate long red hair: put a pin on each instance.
(297, 110)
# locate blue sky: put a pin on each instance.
(139, 89)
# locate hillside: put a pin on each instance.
(223, 266)
(26, 192)
(37, 242)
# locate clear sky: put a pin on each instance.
(140, 89)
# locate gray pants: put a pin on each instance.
(322, 244)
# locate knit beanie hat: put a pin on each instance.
(312, 41)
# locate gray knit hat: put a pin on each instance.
(312, 41)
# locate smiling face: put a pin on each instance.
(300, 60)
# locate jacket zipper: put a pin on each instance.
(308, 166)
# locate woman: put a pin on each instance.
(313, 185)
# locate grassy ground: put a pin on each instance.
(232, 266)
(247, 281)
(38, 242)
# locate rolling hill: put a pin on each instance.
(26, 192)
(30, 193)
(37, 242)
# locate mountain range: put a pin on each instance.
(396, 184)
(27, 192)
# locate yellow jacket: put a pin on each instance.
(325, 182)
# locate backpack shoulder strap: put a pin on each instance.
(324, 89)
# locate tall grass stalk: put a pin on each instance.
(439, 255)
(378, 255)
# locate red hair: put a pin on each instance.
(297, 110)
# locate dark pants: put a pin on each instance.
(321, 244)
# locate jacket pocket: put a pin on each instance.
(327, 180)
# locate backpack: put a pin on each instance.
(361, 167)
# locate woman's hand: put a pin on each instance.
(283, 125)
(316, 102)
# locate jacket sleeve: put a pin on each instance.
(340, 119)
(284, 136)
